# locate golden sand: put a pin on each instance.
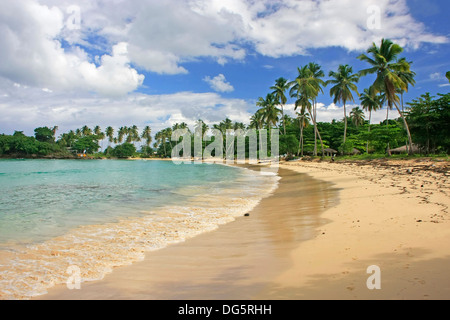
(304, 242)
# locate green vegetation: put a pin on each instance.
(423, 125)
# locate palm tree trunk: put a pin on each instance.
(345, 125)
(315, 128)
(284, 122)
(370, 120)
(410, 151)
(300, 144)
(387, 126)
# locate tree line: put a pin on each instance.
(424, 121)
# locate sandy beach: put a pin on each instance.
(314, 238)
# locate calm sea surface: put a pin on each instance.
(97, 215)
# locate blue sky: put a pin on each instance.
(71, 63)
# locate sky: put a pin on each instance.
(71, 63)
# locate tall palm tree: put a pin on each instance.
(123, 131)
(110, 134)
(387, 66)
(147, 136)
(269, 110)
(370, 102)
(357, 116)
(317, 74)
(344, 81)
(303, 119)
(305, 88)
(257, 120)
(448, 75)
(279, 89)
(86, 131)
(408, 78)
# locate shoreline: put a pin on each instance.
(394, 215)
(227, 262)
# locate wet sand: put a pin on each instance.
(314, 238)
(240, 260)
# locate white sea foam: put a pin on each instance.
(97, 249)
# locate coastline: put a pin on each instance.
(394, 215)
(236, 261)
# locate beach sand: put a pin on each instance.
(314, 238)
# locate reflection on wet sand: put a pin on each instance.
(237, 261)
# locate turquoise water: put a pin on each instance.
(99, 215)
(41, 199)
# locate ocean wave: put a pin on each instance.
(97, 249)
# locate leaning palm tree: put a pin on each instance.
(279, 90)
(110, 134)
(317, 74)
(370, 102)
(344, 82)
(387, 66)
(408, 78)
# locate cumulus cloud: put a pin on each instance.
(33, 54)
(219, 83)
(163, 35)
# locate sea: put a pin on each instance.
(91, 216)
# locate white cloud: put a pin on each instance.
(219, 83)
(162, 35)
(26, 109)
(34, 54)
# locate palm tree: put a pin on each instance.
(133, 134)
(448, 75)
(257, 120)
(201, 127)
(269, 110)
(123, 131)
(280, 87)
(305, 88)
(344, 83)
(86, 131)
(408, 78)
(357, 116)
(303, 119)
(370, 102)
(147, 136)
(317, 74)
(386, 65)
(110, 134)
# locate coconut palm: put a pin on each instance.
(305, 88)
(269, 110)
(357, 116)
(123, 131)
(370, 102)
(110, 134)
(408, 78)
(257, 120)
(147, 136)
(86, 131)
(317, 74)
(448, 75)
(387, 66)
(303, 119)
(344, 81)
(279, 90)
